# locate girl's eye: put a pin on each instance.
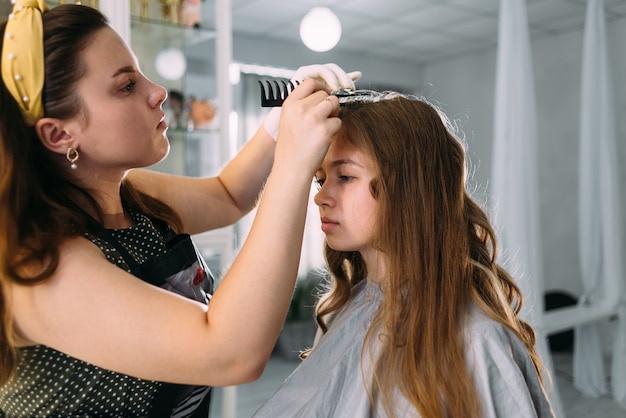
(129, 87)
(346, 179)
(319, 182)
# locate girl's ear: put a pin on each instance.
(53, 136)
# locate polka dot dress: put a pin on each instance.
(49, 383)
(142, 241)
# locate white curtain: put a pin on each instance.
(514, 174)
(514, 166)
(599, 217)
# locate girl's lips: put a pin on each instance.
(328, 224)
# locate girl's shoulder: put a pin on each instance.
(492, 346)
(480, 322)
(503, 371)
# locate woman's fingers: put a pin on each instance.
(308, 122)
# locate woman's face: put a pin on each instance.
(347, 207)
(121, 124)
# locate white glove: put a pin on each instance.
(334, 77)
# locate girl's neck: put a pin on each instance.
(374, 261)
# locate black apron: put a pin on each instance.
(182, 270)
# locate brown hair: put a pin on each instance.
(40, 206)
(440, 253)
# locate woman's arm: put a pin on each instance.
(94, 311)
(213, 202)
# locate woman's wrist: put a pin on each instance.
(271, 121)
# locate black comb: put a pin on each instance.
(275, 96)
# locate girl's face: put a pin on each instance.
(121, 125)
(347, 207)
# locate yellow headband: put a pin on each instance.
(22, 57)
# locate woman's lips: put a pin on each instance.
(162, 126)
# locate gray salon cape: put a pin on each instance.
(329, 383)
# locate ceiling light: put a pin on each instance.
(171, 63)
(320, 29)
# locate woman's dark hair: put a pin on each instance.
(40, 205)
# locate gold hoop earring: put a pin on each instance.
(72, 157)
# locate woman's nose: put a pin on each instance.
(158, 94)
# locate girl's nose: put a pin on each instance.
(322, 197)
(317, 198)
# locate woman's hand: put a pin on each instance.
(307, 124)
(330, 74)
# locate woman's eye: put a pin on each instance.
(129, 87)
(346, 179)
(319, 182)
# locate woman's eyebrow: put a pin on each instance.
(124, 70)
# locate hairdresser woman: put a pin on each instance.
(103, 296)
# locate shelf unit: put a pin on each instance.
(195, 150)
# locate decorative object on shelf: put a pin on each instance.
(175, 112)
(169, 10)
(190, 13)
(171, 63)
(183, 12)
(91, 3)
(202, 113)
(145, 7)
(320, 29)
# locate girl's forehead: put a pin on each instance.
(342, 153)
(340, 149)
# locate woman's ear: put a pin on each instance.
(52, 134)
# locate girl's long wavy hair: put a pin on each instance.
(40, 205)
(440, 256)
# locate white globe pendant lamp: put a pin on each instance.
(320, 29)
(171, 63)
